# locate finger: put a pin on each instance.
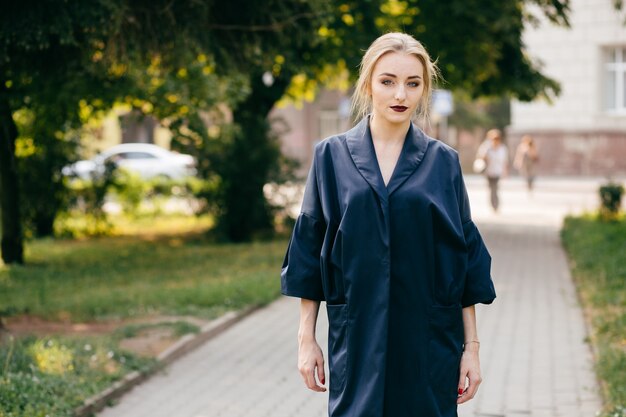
(462, 382)
(470, 391)
(320, 373)
(309, 379)
(474, 382)
(461, 386)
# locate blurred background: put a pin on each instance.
(153, 154)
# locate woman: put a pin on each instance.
(526, 157)
(496, 157)
(385, 237)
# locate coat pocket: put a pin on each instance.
(331, 266)
(337, 345)
(445, 348)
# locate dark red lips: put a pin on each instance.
(399, 109)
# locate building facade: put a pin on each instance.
(301, 127)
(583, 131)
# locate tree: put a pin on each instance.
(85, 52)
(11, 244)
(269, 44)
(478, 45)
(59, 56)
(43, 70)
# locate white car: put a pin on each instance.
(145, 159)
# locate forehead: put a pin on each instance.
(400, 64)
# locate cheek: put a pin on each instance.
(418, 94)
(378, 93)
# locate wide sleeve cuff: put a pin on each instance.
(301, 272)
(479, 286)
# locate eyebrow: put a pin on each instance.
(387, 74)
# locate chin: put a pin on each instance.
(399, 117)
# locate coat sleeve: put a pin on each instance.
(479, 286)
(301, 273)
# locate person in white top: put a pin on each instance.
(496, 156)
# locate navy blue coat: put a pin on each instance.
(395, 265)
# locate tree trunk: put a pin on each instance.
(12, 244)
(44, 223)
(251, 157)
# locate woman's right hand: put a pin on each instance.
(310, 363)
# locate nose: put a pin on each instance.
(400, 94)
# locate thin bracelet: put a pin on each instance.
(471, 341)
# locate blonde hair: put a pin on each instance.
(392, 42)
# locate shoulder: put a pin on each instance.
(327, 144)
(441, 151)
(329, 147)
(443, 158)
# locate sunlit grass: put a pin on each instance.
(148, 225)
(597, 252)
(156, 271)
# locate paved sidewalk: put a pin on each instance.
(534, 359)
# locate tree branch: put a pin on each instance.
(273, 27)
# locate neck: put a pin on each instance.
(383, 131)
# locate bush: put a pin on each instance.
(84, 214)
(88, 214)
(52, 376)
(611, 200)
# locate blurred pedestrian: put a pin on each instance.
(496, 156)
(526, 157)
(386, 238)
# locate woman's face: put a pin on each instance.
(396, 87)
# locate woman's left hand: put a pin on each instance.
(470, 370)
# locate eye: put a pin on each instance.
(386, 82)
(414, 84)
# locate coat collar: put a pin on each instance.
(361, 147)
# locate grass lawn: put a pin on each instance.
(125, 276)
(597, 252)
(153, 272)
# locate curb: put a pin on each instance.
(181, 347)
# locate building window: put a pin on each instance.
(330, 123)
(615, 80)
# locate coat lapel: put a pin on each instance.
(361, 147)
(413, 150)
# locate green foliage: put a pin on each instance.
(83, 214)
(147, 197)
(52, 376)
(490, 62)
(66, 60)
(130, 190)
(329, 44)
(40, 151)
(137, 197)
(249, 161)
(610, 200)
(483, 113)
(596, 251)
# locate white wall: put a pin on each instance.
(574, 57)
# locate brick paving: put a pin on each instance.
(534, 357)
